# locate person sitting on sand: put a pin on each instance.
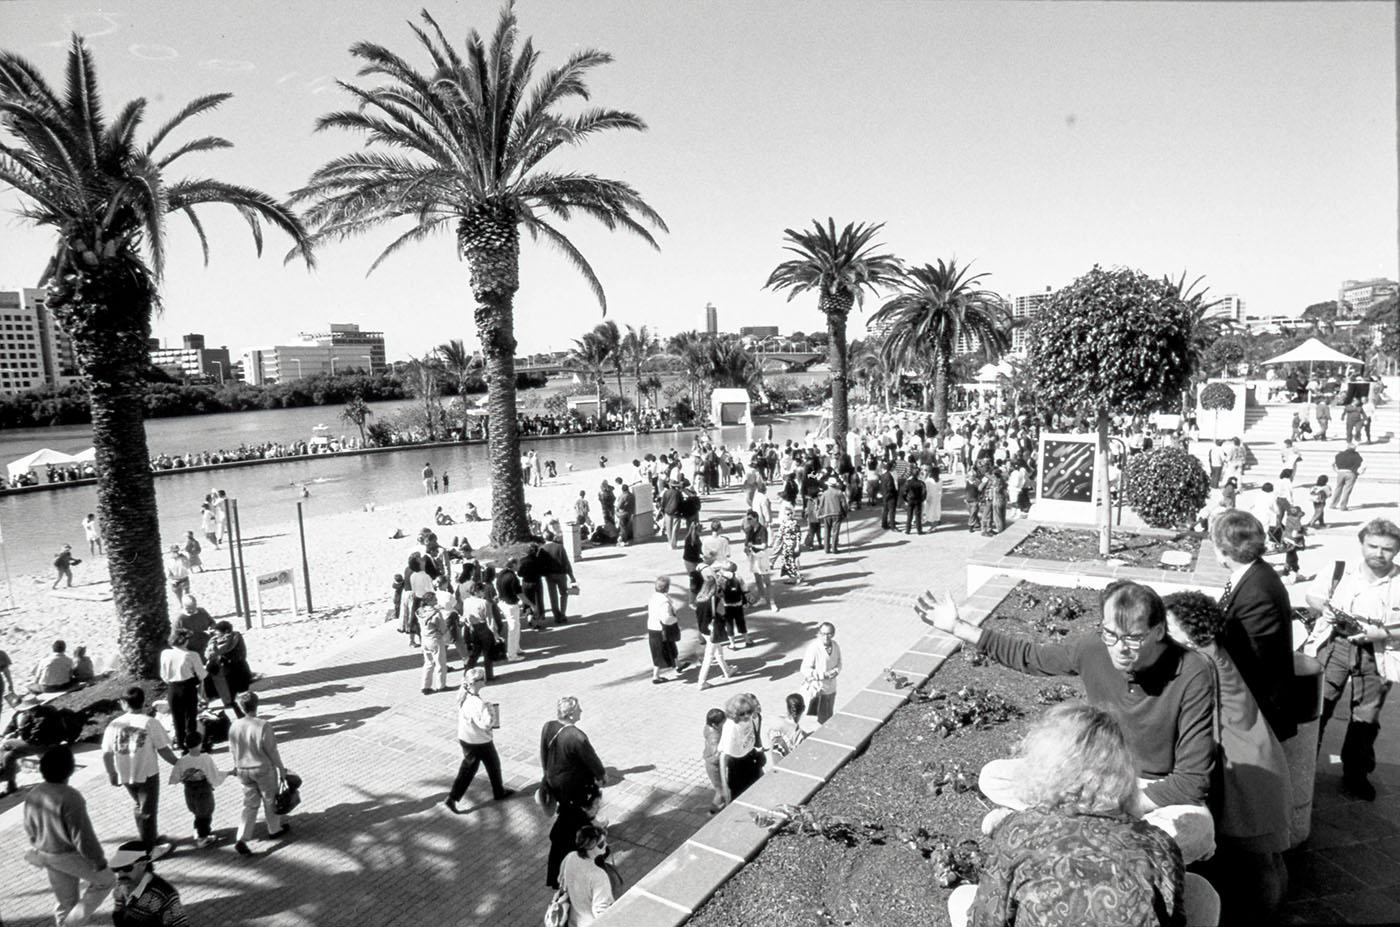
(472, 513)
(442, 518)
(397, 535)
(83, 671)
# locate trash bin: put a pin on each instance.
(574, 534)
(1300, 750)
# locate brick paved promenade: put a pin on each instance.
(372, 843)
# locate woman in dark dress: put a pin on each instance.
(227, 662)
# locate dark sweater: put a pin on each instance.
(1166, 707)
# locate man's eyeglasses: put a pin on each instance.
(1131, 641)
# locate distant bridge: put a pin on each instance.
(792, 360)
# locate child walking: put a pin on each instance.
(198, 774)
(714, 723)
(1319, 494)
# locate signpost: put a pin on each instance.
(267, 582)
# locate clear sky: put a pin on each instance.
(1254, 143)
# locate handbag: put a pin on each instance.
(288, 793)
(546, 799)
(671, 632)
(559, 909)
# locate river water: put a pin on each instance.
(36, 525)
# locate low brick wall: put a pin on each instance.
(685, 880)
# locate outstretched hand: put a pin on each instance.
(937, 609)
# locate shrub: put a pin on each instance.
(1218, 396)
(1166, 486)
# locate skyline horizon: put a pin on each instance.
(1171, 112)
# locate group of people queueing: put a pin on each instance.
(1188, 709)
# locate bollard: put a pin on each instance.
(573, 533)
(643, 525)
(1300, 750)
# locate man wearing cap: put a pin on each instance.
(177, 572)
(832, 507)
(142, 898)
(130, 745)
(63, 842)
(474, 732)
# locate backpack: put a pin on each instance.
(733, 594)
(559, 909)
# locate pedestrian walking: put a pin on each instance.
(481, 628)
(1348, 465)
(476, 723)
(259, 767)
(182, 670)
(192, 550)
(63, 563)
(559, 577)
(821, 664)
(199, 776)
(226, 660)
(141, 898)
(131, 746)
(432, 626)
(508, 597)
(663, 630)
(571, 775)
(585, 878)
(177, 572)
(63, 843)
(732, 595)
(756, 548)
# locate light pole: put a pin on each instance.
(220, 365)
(332, 365)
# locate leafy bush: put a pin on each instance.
(1166, 486)
(1218, 396)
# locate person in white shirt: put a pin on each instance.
(93, 533)
(1368, 591)
(583, 878)
(177, 572)
(130, 747)
(196, 772)
(182, 670)
(474, 733)
(663, 630)
(820, 667)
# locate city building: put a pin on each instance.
(711, 319)
(1024, 309)
(758, 332)
(341, 348)
(193, 361)
(1229, 306)
(341, 334)
(1356, 297)
(34, 351)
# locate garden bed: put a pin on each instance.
(97, 703)
(1049, 542)
(868, 848)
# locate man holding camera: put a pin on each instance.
(1361, 603)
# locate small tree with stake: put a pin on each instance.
(1111, 341)
(1215, 398)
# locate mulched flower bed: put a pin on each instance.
(1082, 544)
(871, 847)
(96, 703)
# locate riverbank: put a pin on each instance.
(356, 452)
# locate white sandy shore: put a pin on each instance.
(352, 564)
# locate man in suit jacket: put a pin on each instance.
(573, 774)
(1258, 617)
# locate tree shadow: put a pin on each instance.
(307, 728)
(408, 661)
(516, 672)
(292, 699)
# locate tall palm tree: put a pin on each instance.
(939, 304)
(591, 357)
(460, 146)
(422, 377)
(106, 198)
(729, 364)
(840, 268)
(609, 337)
(637, 345)
(868, 366)
(357, 412)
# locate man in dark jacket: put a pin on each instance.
(1162, 694)
(573, 774)
(888, 492)
(626, 511)
(561, 573)
(533, 569)
(914, 492)
(831, 509)
(671, 511)
(1258, 617)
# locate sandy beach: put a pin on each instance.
(352, 561)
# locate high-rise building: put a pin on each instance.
(711, 319)
(1229, 306)
(194, 361)
(1356, 297)
(1024, 309)
(34, 351)
(370, 345)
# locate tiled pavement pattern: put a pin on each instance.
(371, 842)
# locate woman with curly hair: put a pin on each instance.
(1124, 871)
(787, 544)
(1252, 811)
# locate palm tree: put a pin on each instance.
(591, 356)
(610, 340)
(461, 146)
(106, 198)
(637, 345)
(421, 376)
(840, 268)
(1206, 328)
(729, 364)
(356, 412)
(868, 366)
(464, 367)
(938, 305)
(650, 385)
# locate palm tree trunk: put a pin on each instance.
(940, 392)
(490, 241)
(110, 337)
(836, 359)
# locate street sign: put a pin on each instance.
(267, 582)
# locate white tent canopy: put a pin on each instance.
(87, 456)
(730, 407)
(40, 458)
(990, 373)
(1312, 351)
